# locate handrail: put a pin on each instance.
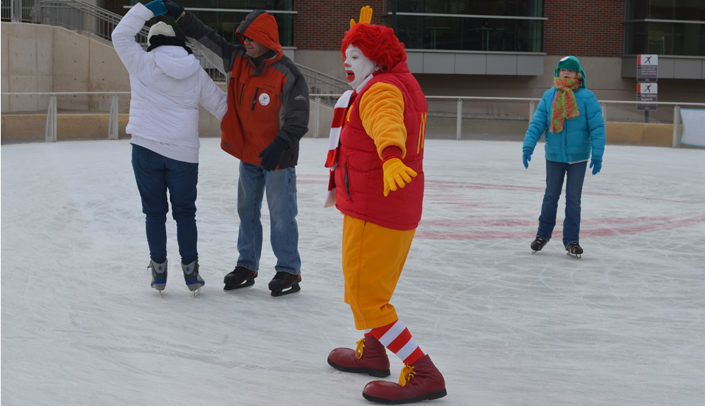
(320, 82)
(328, 98)
(428, 97)
(533, 99)
(58, 93)
(71, 14)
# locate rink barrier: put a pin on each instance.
(634, 133)
(50, 130)
(21, 127)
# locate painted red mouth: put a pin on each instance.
(349, 75)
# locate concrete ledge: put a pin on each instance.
(31, 127)
(76, 126)
(653, 135)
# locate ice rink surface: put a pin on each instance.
(624, 325)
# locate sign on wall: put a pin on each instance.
(647, 68)
(645, 93)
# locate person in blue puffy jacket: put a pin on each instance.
(571, 117)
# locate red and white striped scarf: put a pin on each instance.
(341, 107)
(339, 114)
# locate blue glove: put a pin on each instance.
(157, 7)
(173, 10)
(596, 166)
(272, 155)
(526, 158)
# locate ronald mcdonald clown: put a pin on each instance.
(377, 181)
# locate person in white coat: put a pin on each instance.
(167, 85)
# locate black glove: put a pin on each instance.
(173, 10)
(272, 155)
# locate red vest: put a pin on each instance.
(359, 175)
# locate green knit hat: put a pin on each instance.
(571, 63)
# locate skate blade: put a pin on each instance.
(294, 288)
(196, 292)
(195, 286)
(246, 284)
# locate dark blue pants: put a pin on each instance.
(574, 175)
(155, 174)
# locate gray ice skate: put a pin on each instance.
(192, 277)
(159, 274)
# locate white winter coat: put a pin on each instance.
(167, 86)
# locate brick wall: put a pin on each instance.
(588, 28)
(116, 6)
(321, 25)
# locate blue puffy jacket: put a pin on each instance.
(580, 135)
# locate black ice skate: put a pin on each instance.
(240, 278)
(574, 249)
(159, 274)
(284, 280)
(537, 244)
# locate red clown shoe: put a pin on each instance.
(419, 381)
(370, 357)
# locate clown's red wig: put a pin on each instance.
(376, 42)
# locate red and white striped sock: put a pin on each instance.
(397, 338)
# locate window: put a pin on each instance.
(665, 27)
(470, 25)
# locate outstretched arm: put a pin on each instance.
(215, 48)
(130, 52)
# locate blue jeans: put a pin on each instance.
(155, 174)
(575, 175)
(280, 186)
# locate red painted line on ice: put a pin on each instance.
(469, 185)
(533, 222)
(644, 228)
(662, 223)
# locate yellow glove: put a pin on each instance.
(396, 174)
(365, 16)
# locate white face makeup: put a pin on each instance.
(357, 66)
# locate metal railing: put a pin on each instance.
(81, 16)
(321, 84)
(526, 104)
(96, 22)
(50, 129)
(16, 11)
(85, 18)
(531, 108)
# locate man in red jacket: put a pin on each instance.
(379, 185)
(268, 111)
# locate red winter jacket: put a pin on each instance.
(359, 175)
(263, 103)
